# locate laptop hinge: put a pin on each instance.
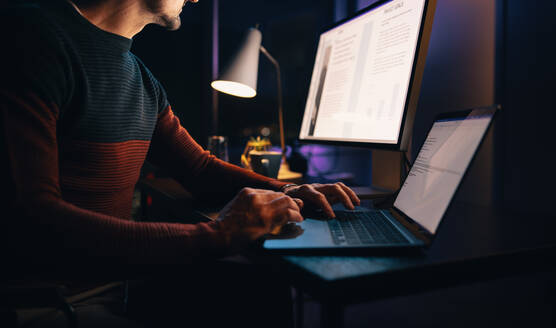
(414, 228)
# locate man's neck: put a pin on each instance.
(120, 17)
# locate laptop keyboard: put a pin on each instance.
(364, 228)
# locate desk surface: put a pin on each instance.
(474, 243)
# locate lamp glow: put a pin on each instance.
(240, 77)
(240, 80)
(234, 88)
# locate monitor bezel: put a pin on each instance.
(414, 87)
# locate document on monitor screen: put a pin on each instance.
(361, 75)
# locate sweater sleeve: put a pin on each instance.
(201, 173)
(43, 223)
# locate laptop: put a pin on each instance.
(420, 204)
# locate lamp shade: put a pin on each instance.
(240, 77)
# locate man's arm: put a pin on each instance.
(43, 223)
(204, 175)
(201, 173)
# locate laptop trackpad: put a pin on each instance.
(308, 234)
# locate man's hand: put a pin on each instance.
(255, 212)
(324, 195)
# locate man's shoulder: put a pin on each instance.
(151, 82)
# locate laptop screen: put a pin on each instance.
(440, 166)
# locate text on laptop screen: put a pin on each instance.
(362, 74)
(440, 166)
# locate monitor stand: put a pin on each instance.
(387, 175)
(363, 192)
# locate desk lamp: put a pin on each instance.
(240, 80)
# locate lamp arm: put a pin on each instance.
(280, 104)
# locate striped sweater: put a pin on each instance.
(80, 114)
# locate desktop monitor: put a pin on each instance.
(367, 76)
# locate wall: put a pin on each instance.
(460, 74)
(527, 92)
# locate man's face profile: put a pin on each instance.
(167, 12)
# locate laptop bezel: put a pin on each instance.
(413, 226)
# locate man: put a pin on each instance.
(80, 114)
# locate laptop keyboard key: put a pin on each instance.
(363, 228)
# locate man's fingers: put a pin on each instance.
(294, 216)
(294, 203)
(319, 200)
(299, 203)
(248, 190)
(336, 192)
(276, 230)
(287, 202)
(288, 215)
(352, 195)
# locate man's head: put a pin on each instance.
(129, 17)
(166, 13)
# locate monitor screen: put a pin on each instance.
(362, 75)
(440, 166)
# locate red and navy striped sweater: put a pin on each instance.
(80, 114)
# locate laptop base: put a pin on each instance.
(371, 192)
(312, 236)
